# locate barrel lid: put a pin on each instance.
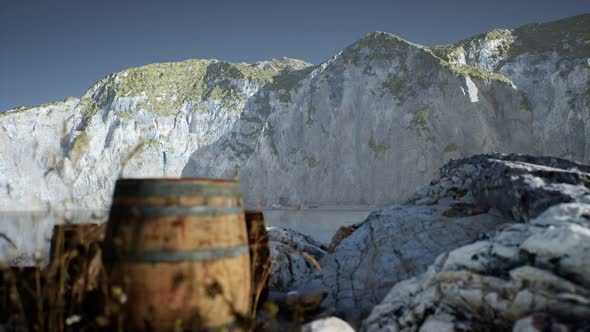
(143, 187)
(189, 180)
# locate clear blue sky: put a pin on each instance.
(51, 49)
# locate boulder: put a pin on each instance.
(538, 264)
(496, 282)
(522, 186)
(294, 258)
(330, 324)
(400, 241)
(393, 244)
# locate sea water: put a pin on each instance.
(25, 235)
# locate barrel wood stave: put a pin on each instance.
(179, 249)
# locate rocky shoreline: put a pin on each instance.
(496, 242)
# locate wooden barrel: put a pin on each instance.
(178, 248)
(260, 260)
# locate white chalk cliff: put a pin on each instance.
(364, 127)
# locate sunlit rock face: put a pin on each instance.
(364, 127)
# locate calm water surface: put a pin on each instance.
(25, 234)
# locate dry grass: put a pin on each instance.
(260, 261)
(71, 293)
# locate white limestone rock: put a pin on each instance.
(471, 285)
(522, 269)
(294, 258)
(330, 324)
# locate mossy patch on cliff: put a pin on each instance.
(378, 149)
(275, 66)
(163, 88)
(525, 104)
(395, 86)
(53, 106)
(450, 53)
(479, 74)
(16, 111)
(501, 39)
(462, 58)
(401, 89)
(450, 56)
(79, 145)
(473, 72)
(287, 81)
(311, 161)
(451, 147)
(124, 115)
(418, 120)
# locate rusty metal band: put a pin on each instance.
(141, 188)
(165, 211)
(154, 256)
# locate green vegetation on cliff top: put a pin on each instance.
(569, 38)
(164, 87)
(52, 105)
(386, 46)
(453, 52)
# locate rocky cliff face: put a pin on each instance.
(550, 63)
(361, 128)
